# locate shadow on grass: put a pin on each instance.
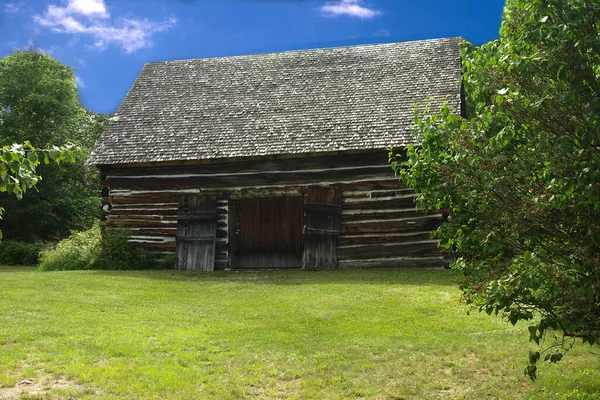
(17, 268)
(300, 277)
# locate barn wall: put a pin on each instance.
(380, 226)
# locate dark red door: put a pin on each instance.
(265, 232)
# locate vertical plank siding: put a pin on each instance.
(323, 209)
(379, 225)
(196, 232)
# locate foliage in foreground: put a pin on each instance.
(19, 163)
(95, 249)
(521, 174)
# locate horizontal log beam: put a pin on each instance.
(170, 182)
(261, 165)
(157, 246)
(142, 223)
(118, 211)
(164, 232)
(348, 240)
(372, 185)
(427, 248)
(135, 216)
(416, 224)
(398, 262)
(204, 238)
(400, 202)
(383, 214)
(374, 194)
(146, 198)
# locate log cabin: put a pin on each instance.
(277, 160)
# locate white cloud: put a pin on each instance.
(80, 82)
(88, 7)
(12, 8)
(91, 18)
(383, 33)
(351, 8)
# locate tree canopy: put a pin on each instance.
(520, 172)
(39, 105)
(38, 100)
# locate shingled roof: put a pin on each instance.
(310, 101)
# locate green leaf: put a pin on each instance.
(533, 336)
(33, 157)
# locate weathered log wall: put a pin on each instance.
(379, 224)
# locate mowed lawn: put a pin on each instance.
(382, 334)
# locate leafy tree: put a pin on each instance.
(39, 103)
(38, 100)
(521, 173)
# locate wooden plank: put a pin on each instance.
(220, 265)
(137, 217)
(288, 191)
(328, 208)
(119, 211)
(144, 198)
(426, 248)
(159, 232)
(206, 238)
(221, 233)
(384, 214)
(304, 176)
(198, 216)
(373, 184)
(265, 232)
(427, 223)
(322, 226)
(317, 231)
(348, 240)
(196, 238)
(136, 223)
(374, 194)
(266, 260)
(398, 262)
(170, 247)
(377, 204)
(149, 206)
(263, 164)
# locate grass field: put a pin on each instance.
(384, 334)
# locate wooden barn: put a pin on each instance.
(276, 160)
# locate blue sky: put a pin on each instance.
(107, 42)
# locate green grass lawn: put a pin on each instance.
(384, 334)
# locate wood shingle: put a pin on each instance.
(311, 101)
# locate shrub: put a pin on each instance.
(168, 262)
(117, 253)
(114, 252)
(100, 250)
(13, 252)
(79, 251)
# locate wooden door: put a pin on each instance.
(322, 224)
(265, 232)
(196, 232)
